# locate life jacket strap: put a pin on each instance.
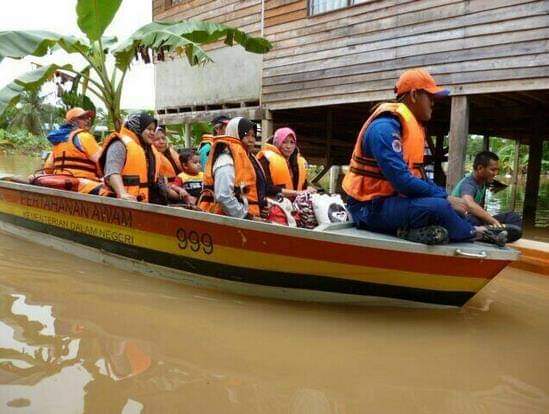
(133, 181)
(77, 159)
(366, 173)
(71, 166)
(370, 162)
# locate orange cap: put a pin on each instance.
(418, 79)
(77, 113)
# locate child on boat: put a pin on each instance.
(191, 177)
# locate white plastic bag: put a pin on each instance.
(329, 209)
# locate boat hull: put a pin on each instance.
(245, 257)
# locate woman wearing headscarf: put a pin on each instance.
(234, 182)
(170, 166)
(129, 162)
(284, 166)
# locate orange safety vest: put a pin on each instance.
(206, 139)
(134, 173)
(245, 183)
(68, 159)
(170, 165)
(279, 167)
(192, 183)
(365, 181)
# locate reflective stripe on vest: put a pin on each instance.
(365, 181)
(279, 167)
(245, 188)
(68, 159)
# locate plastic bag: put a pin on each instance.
(329, 209)
(281, 212)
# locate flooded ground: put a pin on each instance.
(79, 337)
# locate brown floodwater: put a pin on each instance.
(79, 337)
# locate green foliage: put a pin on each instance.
(22, 141)
(176, 133)
(31, 82)
(505, 150)
(94, 16)
(183, 38)
(72, 99)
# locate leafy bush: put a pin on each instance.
(22, 141)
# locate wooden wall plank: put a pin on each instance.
(288, 17)
(464, 45)
(468, 25)
(291, 7)
(486, 65)
(350, 54)
(273, 4)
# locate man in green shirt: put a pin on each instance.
(472, 189)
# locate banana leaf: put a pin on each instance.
(94, 16)
(183, 38)
(19, 44)
(33, 80)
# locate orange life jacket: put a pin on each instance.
(134, 173)
(170, 165)
(245, 183)
(206, 139)
(365, 181)
(68, 159)
(192, 183)
(280, 169)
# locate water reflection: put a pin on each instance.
(90, 339)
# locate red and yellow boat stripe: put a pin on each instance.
(261, 257)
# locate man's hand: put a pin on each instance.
(496, 223)
(458, 205)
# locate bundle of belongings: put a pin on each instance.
(308, 210)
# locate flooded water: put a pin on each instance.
(19, 164)
(77, 337)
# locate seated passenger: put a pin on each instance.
(388, 190)
(284, 166)
(219, 124)
(129, 161)
(191, 177)
(170, 166)
(472, 189)
(75, 151)
(234, 182)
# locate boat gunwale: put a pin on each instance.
(365, 240)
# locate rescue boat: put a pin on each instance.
(333, 263)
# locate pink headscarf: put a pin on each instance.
(281, 134)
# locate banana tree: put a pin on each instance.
(158, 40)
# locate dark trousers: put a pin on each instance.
(504, 218)
(387, 214)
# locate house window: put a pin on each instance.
(323, 6)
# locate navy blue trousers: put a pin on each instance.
(387, 214)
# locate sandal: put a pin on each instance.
(513, 232)
(497, 236)
(427, 235)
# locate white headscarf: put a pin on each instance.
(232, 127)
